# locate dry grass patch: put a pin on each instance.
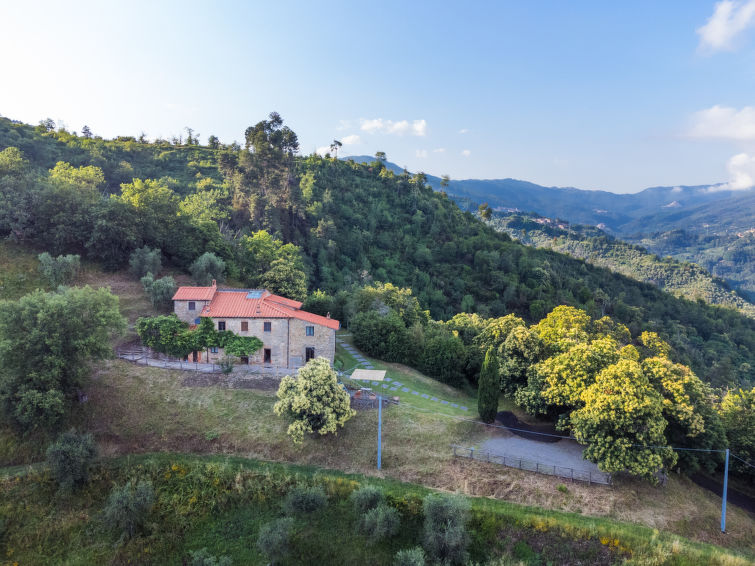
(143, 409)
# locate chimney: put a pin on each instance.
(214, 283)
(328, 315)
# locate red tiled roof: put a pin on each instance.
(235, 303)
(284, 301)
(195, 293)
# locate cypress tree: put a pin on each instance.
(488, 388)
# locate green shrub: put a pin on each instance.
(202, 557)
(304, 500)
(445, 534)
(381, 522)
(226, 364)
(207, 267)
(410, 557)
(145, 260)
(60, 270)
(159, 291)
(274, 540)
(488, 388)
(127, 508)
(69, 458)
(366, 498)
(562, 488)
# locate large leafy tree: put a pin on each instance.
(46, 340)
(737, 412)
(622, 422)
(313, 401)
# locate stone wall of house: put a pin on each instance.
(181, 308)
(287, 340)
(324, 342)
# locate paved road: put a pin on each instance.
(565, 453)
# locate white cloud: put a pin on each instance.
(323, 150)
(729, 20)
(722, 122)
(463, 131)
(350, 140)
(741, 173)
(466, 152)
(439, 150)
(402, 127)
(344, 125)
(677, 190)
(421, 153)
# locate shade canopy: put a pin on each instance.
(369, 374)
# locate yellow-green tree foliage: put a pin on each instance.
(621, 421)
(313, 401)
(737, 412)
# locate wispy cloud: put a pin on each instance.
(466, 152)
(723, 122)
(728, 21)
(439, 150)
(402, 127)
(464, 131)
(322, 150)
(353, 139)
(421, 153)
(741, 173)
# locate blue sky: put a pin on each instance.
(597, 95)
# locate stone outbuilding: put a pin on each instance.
(290, 336)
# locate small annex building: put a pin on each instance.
(290, 336)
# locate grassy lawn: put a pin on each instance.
(414, 381)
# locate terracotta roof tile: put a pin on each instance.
(194, 293)
(247, 303)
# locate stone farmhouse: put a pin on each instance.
(290, 336)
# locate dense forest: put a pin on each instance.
(599, 248)
(274, 216)
(729, 255)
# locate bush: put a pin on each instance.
(274, 540)
(207, 267)
(69, 458)
(60, 270)
(380, 335)
(127, 508)
(366, 498)
(410, 557)
(304, 500)
(445, 534)
(144, 260)
(381, 522)
(202, 557)
(159, 291)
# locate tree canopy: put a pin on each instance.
(313, 401)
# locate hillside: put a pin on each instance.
(598, 248)
(221, 504)
(352, 223)
(698, 224)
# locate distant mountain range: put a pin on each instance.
(705, 224)
(650, 210)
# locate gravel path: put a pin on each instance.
(565, 453)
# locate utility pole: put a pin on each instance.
(380, 434)
(723, 502)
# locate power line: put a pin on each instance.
(504, 427)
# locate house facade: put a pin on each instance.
(290, 336)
